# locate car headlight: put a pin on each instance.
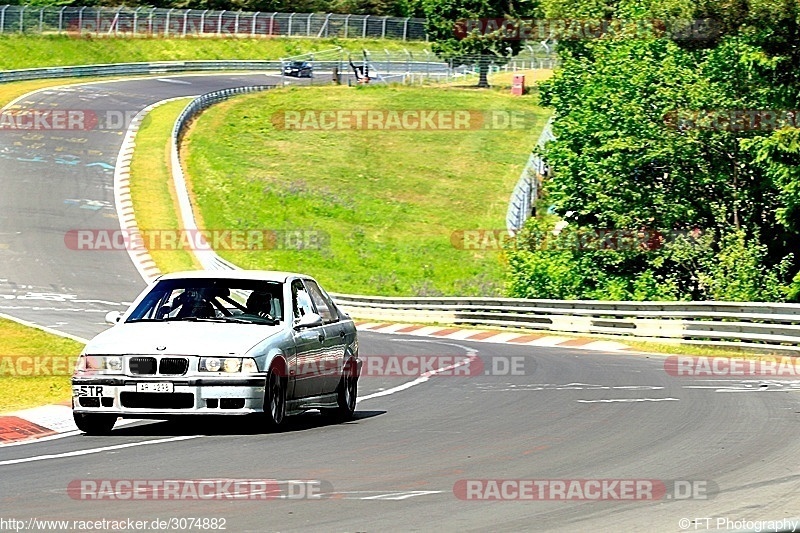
(99, 363)
(228, 365)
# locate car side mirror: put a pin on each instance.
(112, 317)
(308, 320)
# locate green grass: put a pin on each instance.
(389, 200)
(152, 189)
(22, 392)
(25, 51)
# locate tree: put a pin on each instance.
(477, 31)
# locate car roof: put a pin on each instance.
(259, 275)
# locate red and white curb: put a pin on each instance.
(39, 423)
(493, 336)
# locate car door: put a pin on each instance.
(334, 343)
(309, 345)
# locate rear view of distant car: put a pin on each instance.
(298, 69)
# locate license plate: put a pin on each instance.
(154, 387)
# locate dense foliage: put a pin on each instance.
(688, 142)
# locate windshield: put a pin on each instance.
(212, 300)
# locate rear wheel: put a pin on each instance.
(346, 395)
(95, 423)
(275, 400)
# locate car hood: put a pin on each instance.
(180, 338)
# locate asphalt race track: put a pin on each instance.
(403, 463)
(57, 181)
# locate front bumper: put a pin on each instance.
(201, 396)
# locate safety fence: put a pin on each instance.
(160, 22)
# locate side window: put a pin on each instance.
(301, 301)
(326, 311)
(337, 315)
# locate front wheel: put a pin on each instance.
(275, 400)
(346, 395)
(95, 423)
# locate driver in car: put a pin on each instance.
(191, 303)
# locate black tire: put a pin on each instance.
(95, 424)
(346, 396)
(275, 400)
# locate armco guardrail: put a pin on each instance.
(173, 67)
(161, 22)
(761, 325)
(526, 192)
(157, 67)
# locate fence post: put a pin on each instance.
(41, 19)
(291, 16)
(364, 30)
(115, 22)
(166, 26)
(99, 20)
(253, 30)
(383, 29)
(236, 25)
(21, 19)
(405, 28)
(185, 22)
(308, 25)
(219, 23)
(272, 24)
(3, 19)
(136, 20)
(327, 21)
